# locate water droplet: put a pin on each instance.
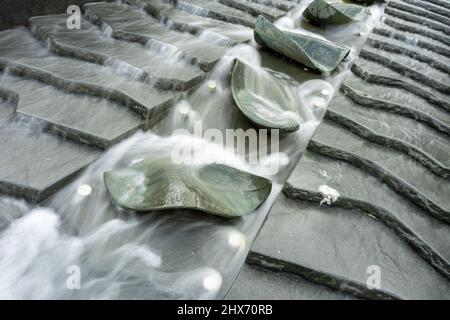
(325, 92)
(84, 190)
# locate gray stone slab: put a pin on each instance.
(33, 164)
(430, 142)
(209, 29)
(128, 23)
(340, 245)
(255, 283)
(424, 68)
(18, 45)
(413, 174)
(85, 119)
(436, 56)
(255, 9)
(217, 10)
(412, 39)
(91, 44)
(428, 5)
(396, 79)
(398, 96)
(421, 12)
(411, 27)
(353, 183)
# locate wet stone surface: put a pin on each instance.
(383, 146)
(378, 151)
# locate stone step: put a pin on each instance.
(378, 94)
(410, 27)
(421, 12)
(255, 9)
(90, 44)
(373, 72)
(256, 283)
(279, 4)
(396, 70)
(132, 25)
(440, 80)
(418, 20)
(338, 247)
(441, 3)
(33, 164)
(19, 46)
(84, 119)
(359, 190)
(216, 10)
(415, 136)
(216, 31)
(410, 179)
(412, 39)
(433, 60)
(428, 5)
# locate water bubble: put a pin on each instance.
(325, 92)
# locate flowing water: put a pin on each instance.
(170, 254)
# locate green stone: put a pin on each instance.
(323, 12)
(160, 184)
(312, 52)
(265, 100)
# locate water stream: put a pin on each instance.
(171, 254)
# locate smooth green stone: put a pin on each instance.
(265, 100)
(323, 12)
(311, 52)
(160, 184)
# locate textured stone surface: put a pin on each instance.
(209, 28)
(92, 45)
(384, 145)
(255, 283)
(384, 148)
(53, 160)
(18, 47)
(84, 119)
(132, 25)
(216, 10)
(359, 190)
(343, 244)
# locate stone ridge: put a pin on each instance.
(372, 149)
